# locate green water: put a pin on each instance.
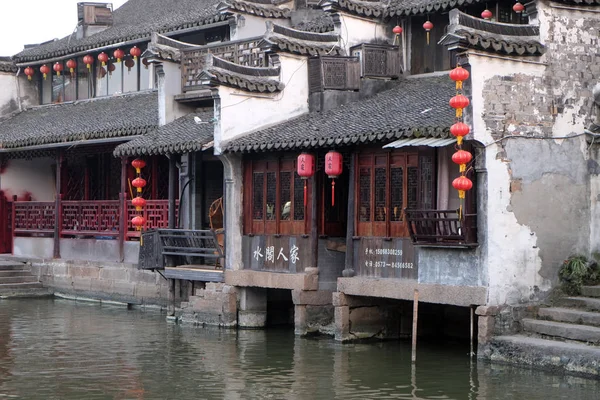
(58, 349)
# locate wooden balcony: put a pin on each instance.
(442, 228)
(333, 73)
(378, 60)
(243, 52)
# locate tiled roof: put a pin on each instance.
(134, 20)
(375, 9)
(108, 117)
(260, 9)
(317, 21)
(180, 136)
(415, 7)
(416, 107)
(301, 42)
(252, 79)
(6, 65)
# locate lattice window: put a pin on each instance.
(365, 194)
(426, 169)
(334, 74)
(380, 194)
(271, 195)
(257, 195)
(285, 188)
(298, 198)
(413, 188)
(397, 189)
(375, 62)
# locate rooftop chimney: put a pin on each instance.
(93, 18)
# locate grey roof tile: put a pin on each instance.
(416, 107)
(180, 136)
(7, 65)
(136, 19)
(106, 117)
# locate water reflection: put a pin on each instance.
(66, 350)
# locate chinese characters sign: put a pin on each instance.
(277, 254)
(377, 257)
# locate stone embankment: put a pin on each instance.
(16, 280)
(563, 338)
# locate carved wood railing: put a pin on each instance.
(156, 213)
(243, 52)
(379, 60)
(333, 73)
(441, 227)
(90, 217)
(33, 218)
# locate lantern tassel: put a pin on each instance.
(427, 38)
(463, 168)
(332, 192)
(305, 192)
(28, 77)
(458, 85)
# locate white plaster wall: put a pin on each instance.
(512, 257)
(172, 87)
(253, 26)
(35, 177)
(355, 30)
(8, 93)
(242, 112)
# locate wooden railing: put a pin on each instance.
(441, 227)
(333, 73)
(243, 52)
(98, 218)
(379, 60)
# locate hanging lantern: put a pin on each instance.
(138, 221)
(29, 72)
(462, 158)
(306, 168)
(428, 26)
(88, 61)
(486, 14)
(45, 70)
(111, 68)
(103, 57)
(101, 72)
(397, 30)
(145, 62)
(462, 184)
(518, 8)
(138, 183)
(129, 63)
(58, 67)
(138, 164)
(139, 202)
(119, 54)
(333, 169)
(458, 75)
(71, 64)
(459, 102)
(459, 130)
(135, 52)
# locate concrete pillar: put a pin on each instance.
(252, 312)
(342, 317)
(313, 311)
(233, 206)
(485, 323)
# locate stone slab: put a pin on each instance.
(582, 333)
(272, 280)
(588, 303)
(552, 355)
(464, 296)
(312, 297)
(570, 315)
(591, 291)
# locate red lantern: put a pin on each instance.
(427, 26)
(459, 130)
(459, 74)
(138, 183)
(135, 52)
(397, 30)
(518, 8)
(29, 72)
(45, 70)
(459, 101)
(139, 202)
(129, 63)
(145, 62)
(111, 68)
(305, 168)
(58, 67)
(138, 164)
(333, 169)
(71, 64)
(138, 221)
(486, 14)
(462, 158)
(462, 184)
(88, 61)
(119, 54)
(103, 57)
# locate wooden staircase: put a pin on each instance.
(16, 280)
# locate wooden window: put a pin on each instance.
(389, 182)
(274, 198)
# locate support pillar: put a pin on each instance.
(349, 265)
(233, 204)
(185, 193)
(123, 209)
(57, 205)
(172, 190)
(314, 238)
(313, 311)
(253, 308)
(342, 317)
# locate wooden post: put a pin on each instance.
(13, 218)
(57, 205)
(314, 237)
(472, 333)
(414, 327)
(349, 266)
(123, 210)
(172, 190)
(171, 300)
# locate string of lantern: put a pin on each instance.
(305, 167)
(459, 129)
(139, 202)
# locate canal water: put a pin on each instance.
(60, 349)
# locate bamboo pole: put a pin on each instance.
(414, 327)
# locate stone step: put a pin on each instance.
(587, 303)
(572, 315)
(577, 358)
(591, 291)
(25, 292)
(562, 330)
(15, 272)
(18, 279)
(27, 285)
(9, 265)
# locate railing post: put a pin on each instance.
(13, 218)
(57, 206)
(123, 209)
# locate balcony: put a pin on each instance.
(442, 228)
(378, 60)
(333, 73)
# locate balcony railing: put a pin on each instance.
(442, 228)
(243, 52)
(378, 60)
(333, 73)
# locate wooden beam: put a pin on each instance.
(57, 207)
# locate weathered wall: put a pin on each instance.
(258, 111)
(33, 177)
(9, 102)
(538, 191)
(249, 26)
(356, 30)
